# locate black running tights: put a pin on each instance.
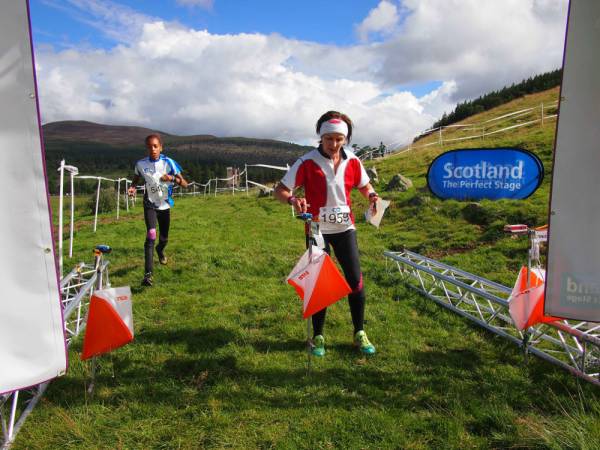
(345, 248)
(151, 217)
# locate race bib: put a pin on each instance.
(157, 190)
(335, 215)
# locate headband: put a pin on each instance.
(334, 126)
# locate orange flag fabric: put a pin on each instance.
(110, 322)
(317, 281)
(526, 305)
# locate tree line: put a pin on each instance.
(199, 164)
(488, 101)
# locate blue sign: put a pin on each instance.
(485, 173)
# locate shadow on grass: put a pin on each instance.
(125, 271)
(280, 345)
(195, 365)
(196, 340)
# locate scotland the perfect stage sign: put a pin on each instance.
(485, 173)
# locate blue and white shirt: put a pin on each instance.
(158, 193)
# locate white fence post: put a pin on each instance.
(126, 194)
(97, 202)
(60, 217)
(72, 224)
(118, 196)
(542, 113)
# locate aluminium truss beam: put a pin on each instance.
(574, 346)
(76, 290)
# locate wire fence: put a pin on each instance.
(238, 182)
(448, 134)
(241, 182)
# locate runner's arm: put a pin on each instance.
(134, 183)
(369, 193)
(180, 180)
(285, 195)
(177, 179)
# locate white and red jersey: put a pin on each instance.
(325, 189)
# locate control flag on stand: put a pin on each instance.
(526, 303)
(109, 323)
(317, 281)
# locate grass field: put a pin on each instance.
(219, 360)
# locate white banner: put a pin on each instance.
(573, 283)
(32, 343)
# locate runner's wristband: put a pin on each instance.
(291, 199)
(372, 194)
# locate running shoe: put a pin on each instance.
(161, 257)
(147, 281)
(362, 341)
(318, 345)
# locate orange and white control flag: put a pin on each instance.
(526, 304)
(110, 321)
(317, 281)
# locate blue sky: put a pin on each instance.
(268, 68)
(312, 20)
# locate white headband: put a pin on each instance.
(334, 126)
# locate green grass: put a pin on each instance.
(219, 361)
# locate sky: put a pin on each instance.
(270, 68)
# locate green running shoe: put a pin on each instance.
(317, 347)
(362, 341)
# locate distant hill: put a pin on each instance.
(83, 131)
(113, 149)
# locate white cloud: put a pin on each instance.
(381, 19)
(482, 44)
(188, 81)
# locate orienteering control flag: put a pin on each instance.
(526, 304)
(317, 281)
(109, 323)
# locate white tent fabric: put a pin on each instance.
(573, 283)
(32, 344)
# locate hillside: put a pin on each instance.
(112, 150)
(83, 131)
(448, 230)
(532, 85)
(218, 359)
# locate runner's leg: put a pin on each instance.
(164, 222)
(345, 247)
(318, 319)
(150, 219)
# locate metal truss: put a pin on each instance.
(574, 346)
(76, 290)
